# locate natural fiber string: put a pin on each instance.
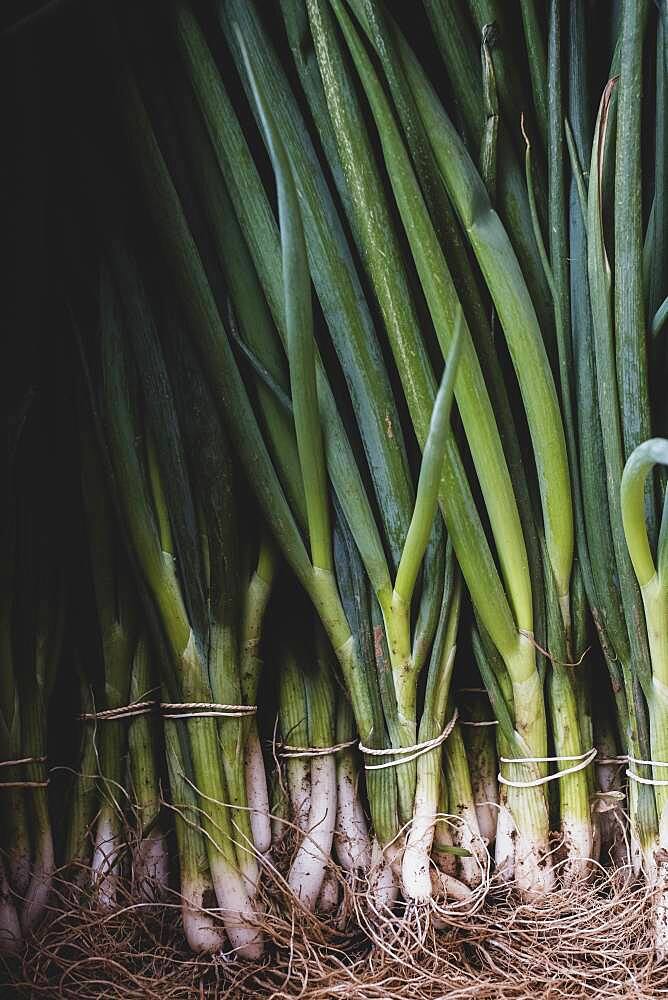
(172, 710)
(289, 751)
(19, 763)
(122, 712)
(609, 801)
(204, 710)
(414, 752)
(560, 663)
(483, 722)
(656, 782)
(22, 760)
(584, 759)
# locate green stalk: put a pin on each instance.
(361, 611)
(255, 604)
(602, 591)
(481, 753)
(440, 210)
(660, 318)
(630, 314)
(498, 687)
(653, 582)
(506, 65)
(301, 358)
(656, 237)
(636, 670)
(300, 353)
(462, 804)
(459, 51)
(185, 266)
(574, 803)
(261, 233)
(488, 596)
(296, 21)
(150, 861)
(82, 806)
(471, 394)
(518, 319)
(397, 622)
(247, 300)
(215, 491)
(558, 253)
(351, 837)
(536, 54)
(117, 630)
(309, 866)
(575, 813)
(416, 867)
(293, 718)
(488, 150)
(335, 281)
(300, 340)
(149, 532)
(379, 31)
(202, 931)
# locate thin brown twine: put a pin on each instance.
(414, 751)
(122, 712)
(287, 751)
(204, 710)
(560, 663)
(171, 710)
(22, 761)
(482, 722)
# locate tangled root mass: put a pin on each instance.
(593, 941)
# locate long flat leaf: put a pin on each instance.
(299, 326)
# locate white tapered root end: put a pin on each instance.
(104, 868)
(237, 911)
(204, 934)
(37, 897)
(256, 790)
(11, 937)
(151, 867)
(578, 849)
(504, 845)
(417, 864)
(308, 869)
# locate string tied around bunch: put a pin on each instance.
(23, 762)
(120, 712)
(412, 752)
(286, 751)
(655, 782)
(171, 710)
(204, 710)
(582, 760)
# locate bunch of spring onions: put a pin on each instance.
(369, 344)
